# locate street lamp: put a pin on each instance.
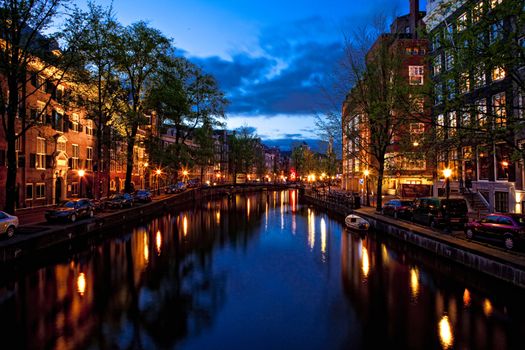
(158, 172)
(81, 174)
(366, 173)
(184, 174)
(447, 172)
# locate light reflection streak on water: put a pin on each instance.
(466, 298)
(282, 210)
(414, 283)
(218, 216)
(266, 216)
(248, 208)
(185, 225)
(81, 284)
(323, 235)
(446, 336)
(293, 200)
(363, 255)
(311, 229)
(384, 255)
(487, 307)
(146, 247)
(158, 242)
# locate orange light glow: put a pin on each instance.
(81, 284)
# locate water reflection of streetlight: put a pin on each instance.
(81, 284)
(446, 336)
(158, 242)
(365, 262)
(414, 283)
(466, 298)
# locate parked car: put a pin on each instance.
(508, 229)
(142, 196)
(71, 210)
(8, 224)
(398, 208)
(119, 200)
(178, 187)
(193, 183)
(433, 211)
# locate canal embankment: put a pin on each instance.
(490, 260)
(37, 238)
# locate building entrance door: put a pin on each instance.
(58, 190)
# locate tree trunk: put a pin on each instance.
(380, 174)
(129, 160)
(12, 165)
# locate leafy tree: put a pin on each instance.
(138, 55)
(190, 103)
(381, 105)
(242, 146)
(481, 44)
(26, 52)
(204, 153)
(97, 80)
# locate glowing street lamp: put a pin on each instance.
(367, 173)
(447, 172)
(81, 174)
(158, 172)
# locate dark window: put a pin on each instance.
(29, 191)
(502, 202)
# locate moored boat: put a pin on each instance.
(357, 223)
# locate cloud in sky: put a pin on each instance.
(271, 58)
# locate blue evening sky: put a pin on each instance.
(272, 57)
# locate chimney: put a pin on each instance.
(414, 16)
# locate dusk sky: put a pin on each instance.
(272, 58)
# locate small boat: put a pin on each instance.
(357, 223)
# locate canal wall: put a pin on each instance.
(504, 265)
(41, 237)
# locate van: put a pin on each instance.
(433, 211)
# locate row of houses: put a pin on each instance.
(471, 117)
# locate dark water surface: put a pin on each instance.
(255, 272)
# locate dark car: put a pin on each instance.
(193, 183)
(71, 210)
(398, 208)
(434, 211)
(506, 228)
(179, 187)
(119, 200)
(142, 196)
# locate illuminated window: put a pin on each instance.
(74, 157)
(74, 122)
(417, 128)
(89, 127)
(499, 109)
(40, 160)
(481, 112)
(479, 76)
(61, 145)
(89, 158)
(437, 66)
(494, 3)
(462, 22)
(477, 11)
(440, 125)
(452, 123)
(498, 73)
(464, 83)
(415, 74)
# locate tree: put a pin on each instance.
(97, 81)
(482, 44)
(242, 146)
(204, 153)
(381, 105)
(189, 102)
(28, 53)
(139, 53)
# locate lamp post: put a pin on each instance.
(447, 173)
(81, 174)
(158, 172)
(366, 173)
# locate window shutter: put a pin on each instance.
(80, 127)
(48, 119)
(34, 80)
(49, 161)
(512, 172)
(67, 123)
(2, 157)
(32, 160)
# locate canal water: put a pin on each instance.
(258, 271)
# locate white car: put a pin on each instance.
(8, 224)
